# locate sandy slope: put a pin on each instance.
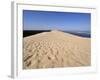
(56, 49)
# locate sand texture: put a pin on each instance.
(56, 49)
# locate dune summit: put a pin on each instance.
(56, 49)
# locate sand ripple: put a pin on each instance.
(56, 49)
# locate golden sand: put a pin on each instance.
(56, 49)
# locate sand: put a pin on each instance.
(56, 49)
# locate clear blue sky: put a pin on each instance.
(46, 20)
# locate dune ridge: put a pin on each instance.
(56, 49)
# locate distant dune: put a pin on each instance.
(56, 49)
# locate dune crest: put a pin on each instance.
(56, 49)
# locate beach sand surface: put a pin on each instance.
(56, 49)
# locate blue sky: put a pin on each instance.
(47, 20)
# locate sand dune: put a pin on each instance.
(56, 49)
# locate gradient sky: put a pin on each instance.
(47, 20)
